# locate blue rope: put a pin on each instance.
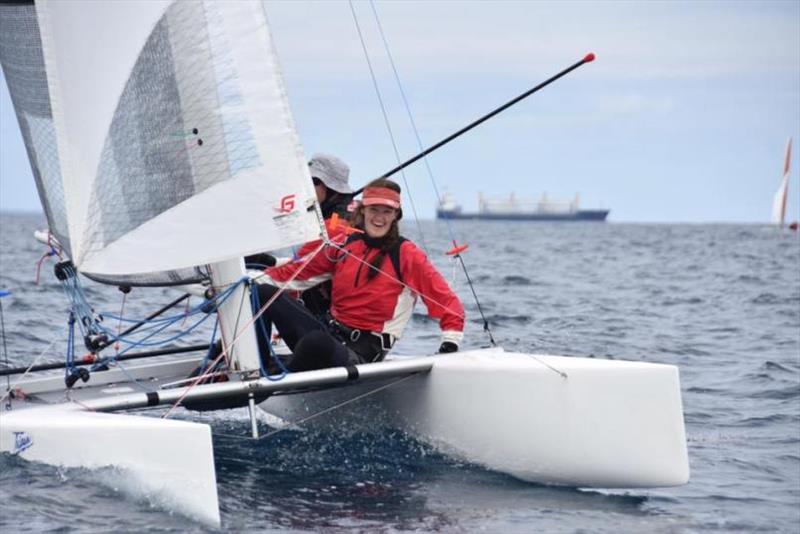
(160, 324)
(89, 323)
(192, 311)
(204, 363)
(256, 303)
(156, 329)
(70, 359)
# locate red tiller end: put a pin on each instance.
(589, 57)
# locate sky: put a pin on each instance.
(683, 117)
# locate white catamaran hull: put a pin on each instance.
(610, 424)
(168, 460)
(548, 419)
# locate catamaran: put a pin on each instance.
(160, 134)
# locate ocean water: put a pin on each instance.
(722, 302)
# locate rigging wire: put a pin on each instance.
(329, 409)
(90, 323)
(121, 315)
(387, 123)
(462, 315)
(69, 367)
(5, 347)
(396, 279)
(408, 111)
(410, 115)
(256, 304)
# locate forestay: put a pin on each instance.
(159, 133)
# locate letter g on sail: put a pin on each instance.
(287, 204)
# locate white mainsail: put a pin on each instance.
(171, 143)
(779, 200)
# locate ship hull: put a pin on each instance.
(581, 215)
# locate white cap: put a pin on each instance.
(332, 171)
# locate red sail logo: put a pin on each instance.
(287, 204)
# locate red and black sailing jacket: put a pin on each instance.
(384, 303)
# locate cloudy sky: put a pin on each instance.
(683, 117)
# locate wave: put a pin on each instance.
(499, 319)
(770, 365)
(516, 280)
(787, 393)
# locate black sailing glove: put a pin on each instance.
(448, 346)
(263, 259)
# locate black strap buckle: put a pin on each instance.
(353, 334)
(387, 340)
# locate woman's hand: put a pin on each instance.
(448, 346)
(261, 260)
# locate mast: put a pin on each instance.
(236, 316)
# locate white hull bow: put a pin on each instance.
(168, 460)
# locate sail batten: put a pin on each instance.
(173, 142)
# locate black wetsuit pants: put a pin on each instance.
(314, 344)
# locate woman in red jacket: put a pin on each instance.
(376, 278)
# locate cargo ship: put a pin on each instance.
(520, 209)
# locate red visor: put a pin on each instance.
(381, 196)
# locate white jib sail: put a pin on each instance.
(175, 139)
(779, 201)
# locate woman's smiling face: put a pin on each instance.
(378, 220)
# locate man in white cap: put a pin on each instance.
(330, 176)
(334, 194)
